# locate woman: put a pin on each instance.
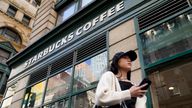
(115, 89)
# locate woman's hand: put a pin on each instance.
(136, 91)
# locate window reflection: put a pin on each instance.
(58, 85)
(175, 34)
(84, 100)
(85, 2)
(66, 12)
(172, 87)
(71, 9)
(34, 95)
(10, 34)
(89, 71)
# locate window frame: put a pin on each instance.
(10, 11)
(78, 7)
(160, 61)
(146, 69)
(7, 30)
(60, 18)
(53, 75)
(82, 61)
(71, 94)
(43, 91)
(26, 20)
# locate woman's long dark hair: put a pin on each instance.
(114, 68)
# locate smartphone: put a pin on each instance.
(145, 81)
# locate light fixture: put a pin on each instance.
(171, 88)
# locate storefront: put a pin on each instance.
(62, 69)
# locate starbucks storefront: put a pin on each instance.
(62, 69)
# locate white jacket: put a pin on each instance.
(109, 92)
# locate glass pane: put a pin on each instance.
(68, 11)
(89, 71)
(6, 102)
(12, 35)
(59, 104)
(58, 85)
(26, 20)
(172, 87)
(34, 95)
(11, 11)
(175, 34)
(85, 2)
(84, 100)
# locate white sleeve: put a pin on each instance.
(106, 94)
(141, 102)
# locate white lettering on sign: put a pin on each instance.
(86, 27)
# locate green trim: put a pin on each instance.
(60, 3)
(4, 68)
(11, 50)
(168, 59)
(83, 90)
(72, 78)
(149, 99)
(136, 25)
(46, 84)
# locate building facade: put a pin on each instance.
(77, 40)
(16, 22)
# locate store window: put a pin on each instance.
(10, 34)
(167, 39)
(71, 9)
(172, 86)
(4, 55)
(11, 11)
(58, 85)
(89, 71)
(34, 95)
(84, 100)
(26, 20)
